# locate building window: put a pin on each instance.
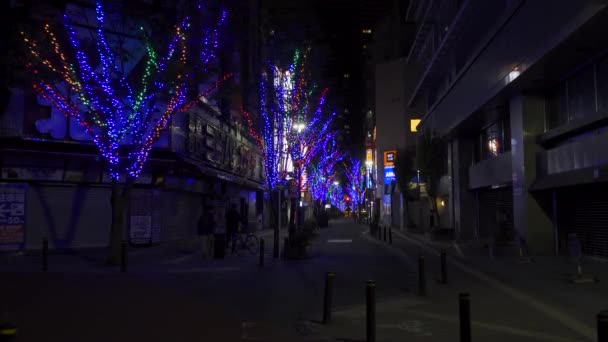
(581, 95)
(557, 107)
(494, 140)
(602, 85)
(366, 31)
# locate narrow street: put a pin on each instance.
(183, 298)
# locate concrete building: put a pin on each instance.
(519, 90)
(390, 79)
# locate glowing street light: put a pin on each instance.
(299, 127)
(336, 183)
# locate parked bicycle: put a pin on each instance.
(243, 242)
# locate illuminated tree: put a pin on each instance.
(123, 109)
(321, 172)
(293, 130)
(355, 175)
(336, 196)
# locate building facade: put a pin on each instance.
(518, 90)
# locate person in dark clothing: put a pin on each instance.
(233, 218)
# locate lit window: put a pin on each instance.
(493, 147)
(346, 75)
(414, 125)
(513, 75)
(366, 31)
(347, 127)
(364, 46)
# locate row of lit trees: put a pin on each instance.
(126, 109)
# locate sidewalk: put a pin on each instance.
(541, 288)
(170, 256)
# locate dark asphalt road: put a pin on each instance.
(182, 298)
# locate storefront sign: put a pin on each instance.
(389, 158)
(12, 216)
(389, 175)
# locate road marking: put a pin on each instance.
(208, 269)
(340, 240)
(415, 327)
(565, 319)
(248, 324)
(394, 303)
(494, 327)
(178, 260)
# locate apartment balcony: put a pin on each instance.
(582, 161)
(490, 172)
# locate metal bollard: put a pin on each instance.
(421, 277)
(444, 267)
(465, 317)
(385, 234)
(275, 247)
(285, 247)
(602, 326)
(45, 254)
(390, 236)
(123, 256)
(371, 310)
(261, 252)
(327, 298)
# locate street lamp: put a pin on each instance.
(336, 183)
(299, 127)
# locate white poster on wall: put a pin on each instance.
(141, 229)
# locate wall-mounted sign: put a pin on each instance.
(389, 174)
(12, 216)
(414, 125)
(389, 158)
(369, 155)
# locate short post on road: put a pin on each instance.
(390, 235)
(602, 326)
(261, 252)
(285, 248)
(384, 233)
(465, 317)
(328, 297)
(370, 316)
(444, 267)
(123, 256)
(421, 277)
(45, 254)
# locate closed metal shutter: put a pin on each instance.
(180, 212)
(145, 216)
(584, 210)
(69, 216)
(496, 214)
